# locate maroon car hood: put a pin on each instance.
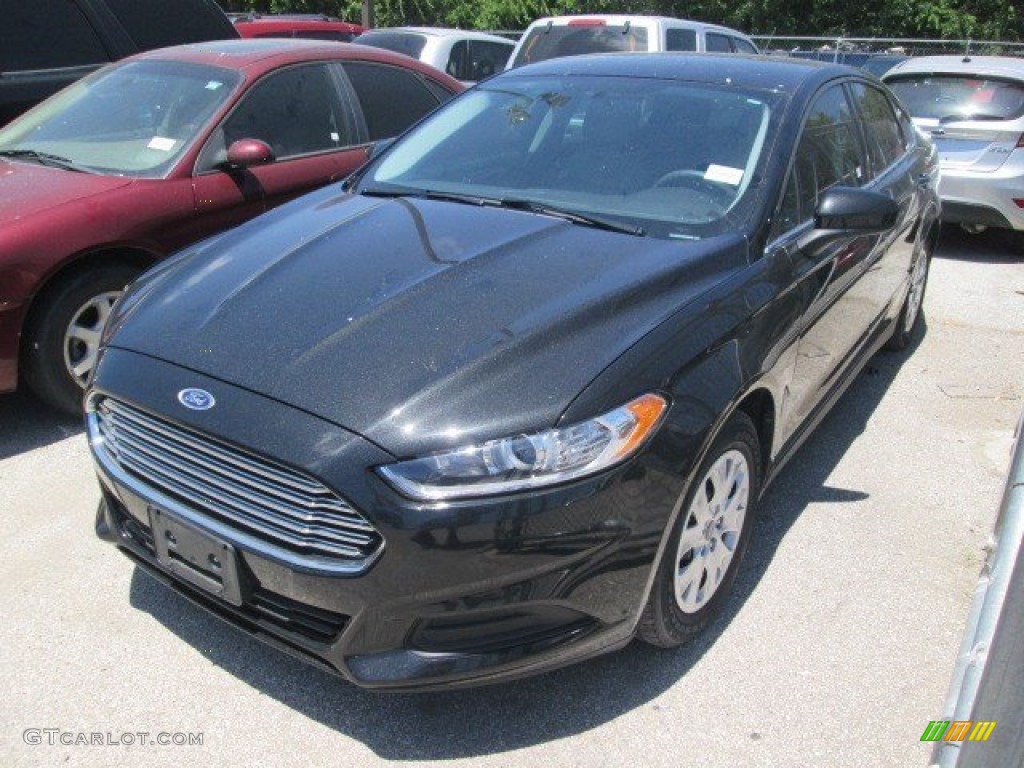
(27, 188)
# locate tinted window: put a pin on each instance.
(411, 44)
(158, 23)
(742, 46)
(392, 99)
(294, 111)
(325, 34)
(476, 59)
(882, 131)
(488, 57)
(717, 43)
(959, 96)
(44, 34)
(681, 40)
(545, 42)
(827, 156)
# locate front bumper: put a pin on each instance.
(460, 593)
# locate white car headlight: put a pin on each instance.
(530, 461)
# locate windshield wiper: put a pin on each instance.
(517, 204)
(44, 158)
(586, 219)
(962, 118)
(428, 194)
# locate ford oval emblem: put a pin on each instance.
(196, 399)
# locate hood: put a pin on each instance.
(418, 324)
(27, 188)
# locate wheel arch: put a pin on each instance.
(133, 256)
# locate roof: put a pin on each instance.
(620, 18)
(465, 34)
(994, 66)
(278, 24)
(267, 53)
(757, 72)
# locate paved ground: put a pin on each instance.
(836, 650)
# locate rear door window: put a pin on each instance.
(47, 34)
(681, 40)
(742, 46)
(717, 43)
(392, 99)
(159, 23)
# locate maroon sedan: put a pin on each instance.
(158, 151)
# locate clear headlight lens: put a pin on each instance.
(530, 461)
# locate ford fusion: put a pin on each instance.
(508, 397)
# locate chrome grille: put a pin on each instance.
(274, 503)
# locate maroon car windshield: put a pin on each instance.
(132, 119)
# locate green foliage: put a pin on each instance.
(948, 19)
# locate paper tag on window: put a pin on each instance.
(162, 144)
(724, 174)
(213, 85)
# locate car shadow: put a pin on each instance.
(993, 246)
(27, 424)
(489, 720)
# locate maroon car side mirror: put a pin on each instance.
(247, 152)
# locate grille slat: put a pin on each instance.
(273, 502)
(219, 478)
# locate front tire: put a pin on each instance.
(708, 540)
(63, 334)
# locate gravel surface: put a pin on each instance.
(835, 651)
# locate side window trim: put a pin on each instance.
(349, 107)
(791, 175)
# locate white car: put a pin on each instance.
(555, 36)
(465, 55)
(973, 108)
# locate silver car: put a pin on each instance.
(973, 107)
(465, 55)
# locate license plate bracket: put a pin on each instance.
(196, 557)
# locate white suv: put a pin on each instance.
(555, 36)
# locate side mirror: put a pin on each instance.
(855, 210)
(248, 152)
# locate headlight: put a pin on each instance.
(531, 461)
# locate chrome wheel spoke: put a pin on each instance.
(82, 337)
(714, 522)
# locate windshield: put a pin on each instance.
(135, 119)
(959, 97)
(549, 42)
(409, 43)
(671, 159)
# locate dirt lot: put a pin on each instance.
(836, 650)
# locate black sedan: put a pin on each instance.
(508, 397)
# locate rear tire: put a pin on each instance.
(912, 311)
(708, 540)
(62, 337)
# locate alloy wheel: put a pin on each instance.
(712, 531)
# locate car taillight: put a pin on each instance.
(586, 22)
(1020, 142)
(1019, 202)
